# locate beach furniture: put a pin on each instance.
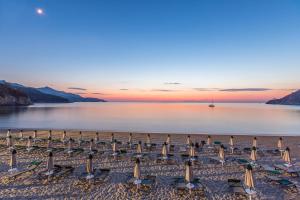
(137, 180)
(187, 183)
(165, 157)
(249, 182)
(31, 167)
(282, 182)
(291, 170)
(236, 187)
(269, 170)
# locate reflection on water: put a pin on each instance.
(157, 117)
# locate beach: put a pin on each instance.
(211, 174)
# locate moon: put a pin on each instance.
(39, 11)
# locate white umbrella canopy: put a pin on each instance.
(249, 177)
(254, 142)
(287, 156)
(253, 155)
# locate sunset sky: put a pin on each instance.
(153, 50)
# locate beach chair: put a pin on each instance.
(180, 186)
(146, 183)
(59, 171)
(269, 170)
(31, 167)
(282, 182)
(292, 171)
(236, 188)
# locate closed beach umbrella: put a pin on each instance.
(91, 144)
(112, 137)
(209, 140)
(280, 143)
(287, 156)
(64, 136)
(9, 141)
(80, 135)
(89, 164)
(130, 138)
(188, 172)
(249, 178)
(253, 156)
(231, 142)
(21, 134)
(168, 140)
(97, 137)
(148, 140)
(164, 150)
(114, 147)
(188, 140)
(8, 133)
(13, 160)
(49, 143)
(139, 147)
(70, 144)
(50, 163)
(50, 134)
(29, 143)
(221, 153)
(137, 170)
(192, 151)
(35, 134)
(254, 143)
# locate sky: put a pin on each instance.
(153, 50)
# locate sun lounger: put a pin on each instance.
(99, 176)
(180, 186)
(285, 183)
(236, 187)
(32, 166)
(292, 171)
(271, 170)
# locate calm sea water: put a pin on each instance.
(225, 118)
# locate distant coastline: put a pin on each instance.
(14, 94)
(291, 99)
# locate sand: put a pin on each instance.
(213, 175)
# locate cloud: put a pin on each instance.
(206, 89)
(164, 90)
(77, 88)
(79, 93)
(100, 93)
(245, 89)
(123, 89)
(172, 83)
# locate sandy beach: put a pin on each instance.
(210, 172)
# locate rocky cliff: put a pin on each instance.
(291, 99)
(12, 97)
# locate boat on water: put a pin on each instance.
(212, 105)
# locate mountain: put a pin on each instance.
(48, 95)
(12, 97)
(71, 97)
(291, 99)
